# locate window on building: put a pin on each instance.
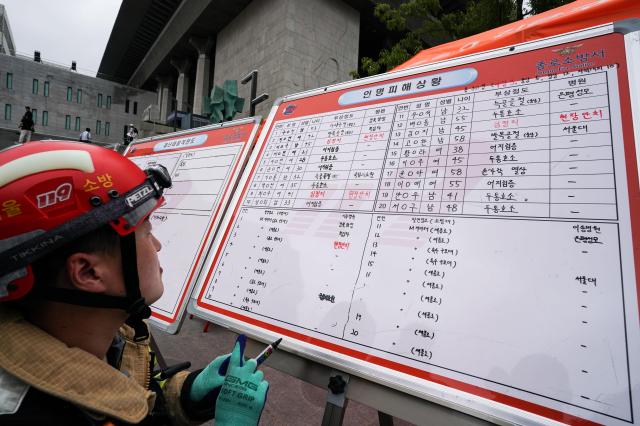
(108, 102)
(67, 122)
(107, 128)
(7, 111)
(46, 88)
(98, 127)
(35, 86)
(77, 127)
(99, 100)
(45, 118)
(34, 115)
(135, 108)
(9, 80)
(126, 106)
(69, 94)
(79, 96)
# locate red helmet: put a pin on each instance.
(54, 192)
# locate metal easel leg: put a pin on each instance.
(384, 419)
(156, 350)
(336, 399)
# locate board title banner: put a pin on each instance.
(204, 167)
(185, 142)
(473, 240)
(447, 80)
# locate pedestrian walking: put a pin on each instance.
(26, 126)
(86, 135)
(132, 134)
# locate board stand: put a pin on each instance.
(336, 399)
(384, 419)
(337, 402)
(387, 401)
(156, 350)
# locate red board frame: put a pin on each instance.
(491, 71)
(217, 136)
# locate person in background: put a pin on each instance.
(26, 126)
(78, 270)
(132, 134)
(86, 135)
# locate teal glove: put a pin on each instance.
(209, 379)
(212, 377)
(244, 392)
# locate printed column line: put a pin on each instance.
(549, 144)
(384, 162)
(466, 173)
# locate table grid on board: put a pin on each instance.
(197, 176)
(532, 148)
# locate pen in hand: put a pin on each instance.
(262, 356)
(266, 353)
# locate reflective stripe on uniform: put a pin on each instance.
(12, 393)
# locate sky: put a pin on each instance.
(63, 30)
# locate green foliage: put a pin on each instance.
(423, 23)
(402, 51)
(423, 18)
(481, 15)
(539, 6)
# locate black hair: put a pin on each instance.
(49, 269)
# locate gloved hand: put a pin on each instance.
(209, 379)
(244, 392)
(212, 377)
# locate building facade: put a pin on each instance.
(65, 102)
(183, 48)
(295, 45)
(7, 45)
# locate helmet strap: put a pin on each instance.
(132, 302)
(83, 298)
(138, 309)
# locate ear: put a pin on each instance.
(90, 272)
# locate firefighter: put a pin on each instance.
(78, 270)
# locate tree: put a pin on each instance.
(539, 6)
(481, 15)
(425, 23)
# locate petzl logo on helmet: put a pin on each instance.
(140, 195)
(58, 195)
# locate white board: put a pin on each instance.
(204, 164)
(461, 232)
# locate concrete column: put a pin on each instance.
(182, 87)
(165, 96)
(203, 46)
(159, 92)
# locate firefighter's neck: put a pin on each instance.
(87, 328)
